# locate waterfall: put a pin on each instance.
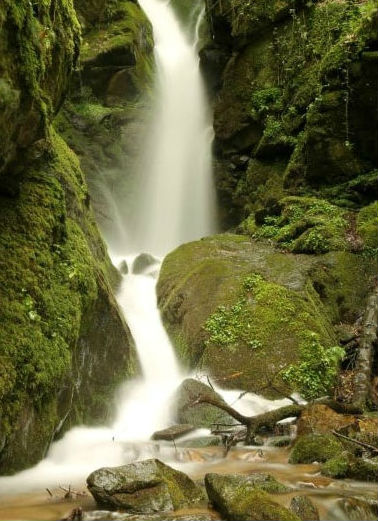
(177, 201)
(176, 204)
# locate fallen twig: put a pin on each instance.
(361, 443)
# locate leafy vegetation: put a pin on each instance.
(304, 225)
(315, 374)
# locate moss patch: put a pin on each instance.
(315, 447)
(367, 226)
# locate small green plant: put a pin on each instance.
(230, 326)
(314, 375)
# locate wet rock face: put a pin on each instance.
(144, 487)
(240, 498)
(201, 414)
(298, 117)
(35, 73)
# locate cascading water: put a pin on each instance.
(178, 202)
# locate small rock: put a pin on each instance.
(144, 487)
(142, 262)
(304, 508)
(320, 418)
(123, 268)
(174, 432)
(201, 442)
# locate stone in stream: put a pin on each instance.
(103, 515)
(144, 487)
(142, 262)
(242, 498)
(201, 442)
(358, 508)
(174, 432)
(201, 414)
(315, 447)
(304, 508)
(123, 268)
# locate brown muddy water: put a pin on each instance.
(337, 500)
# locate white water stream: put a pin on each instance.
(177, 206)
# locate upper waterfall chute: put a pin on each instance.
(176, 203)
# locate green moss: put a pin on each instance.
(336, 467)
(314, 447)
(225, 297)
(367, 225)
(306, 225)
(238, 499)
(127, 28)
(343, 282)
(53, 262)
(315, 374)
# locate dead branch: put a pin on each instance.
(362, 444)
(364, 359)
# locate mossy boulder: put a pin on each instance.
(55, 285)
(238, 499)
(144, 487)
(336, 467)
(346, 465)
(315, 447)
(240, 310)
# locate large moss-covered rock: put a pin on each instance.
(240, 498)
(144, 487)
(242, 310)
(315, 447)
(346, 465)
(55, 285)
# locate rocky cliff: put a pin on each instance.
(63, 343)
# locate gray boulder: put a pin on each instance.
(201, 414)
(142, 262)
(144, 487)
(174, 432)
